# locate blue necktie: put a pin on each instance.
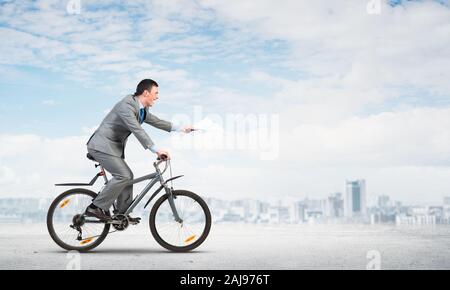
(142, 115)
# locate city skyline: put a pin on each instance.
(369, 199)
(328, 210)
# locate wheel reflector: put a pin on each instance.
(64, 203)
(189, 239)
(85, 241)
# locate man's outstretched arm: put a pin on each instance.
(164, 125)
(157, 122)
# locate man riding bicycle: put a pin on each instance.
(107, 146)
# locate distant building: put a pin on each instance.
(355, 201)
(238, 210)
(300, 212)
(417, 210)
(415, 220)
(284, 214)
(383, 201)
(314, 215)
(254, 209)
(335, 206)
(446, 210)
(274, 214)
(231, 217)
(438, 213)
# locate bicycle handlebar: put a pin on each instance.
(161, 160)
(162, 157)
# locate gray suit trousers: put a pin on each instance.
(117, 187)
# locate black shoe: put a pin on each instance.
(96, 212)
(133, 221)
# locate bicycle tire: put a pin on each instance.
(171, 247)
(51, 229)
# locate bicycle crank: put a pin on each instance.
(120, 222)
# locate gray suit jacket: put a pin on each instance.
(112, 134)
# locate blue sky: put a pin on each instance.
(358, 95)
(52, 91)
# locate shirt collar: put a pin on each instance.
(140, 104)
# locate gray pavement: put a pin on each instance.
(240, 246)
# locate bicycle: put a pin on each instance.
(179, 220)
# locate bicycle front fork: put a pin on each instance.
(171, 199)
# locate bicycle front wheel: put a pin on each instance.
(185, 236)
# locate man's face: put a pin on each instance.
(151, 96)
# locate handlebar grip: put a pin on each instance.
(162, 157)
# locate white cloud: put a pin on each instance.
(6, 175)
(403, 154)
(337, 45)
(340, 63)
(103, 40)
(416, 137)
(37, 163)
(111, 44)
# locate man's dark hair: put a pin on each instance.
(143, 85)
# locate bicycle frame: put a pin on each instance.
(153, 177)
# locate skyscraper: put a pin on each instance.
(335, 206)
(355, 202)
(383, 201)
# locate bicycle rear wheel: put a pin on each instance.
(180, 237)
(64, 212)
